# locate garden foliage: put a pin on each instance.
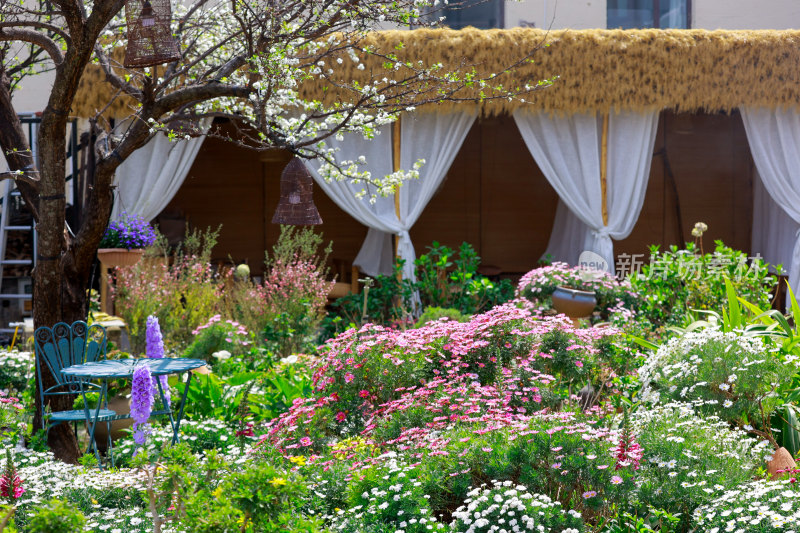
(446, 279)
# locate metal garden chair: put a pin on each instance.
(60, 347)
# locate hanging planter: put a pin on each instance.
(296, 204)
(150, 40)
(119, 257)
(124, 241)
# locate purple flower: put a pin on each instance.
(155, 343)
(141, 402)
(155, 350)
(128, 231)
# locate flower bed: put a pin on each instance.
(514, 419)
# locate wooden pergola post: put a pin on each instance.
(396, 133)
(604, 169)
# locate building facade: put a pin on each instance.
(628, 14)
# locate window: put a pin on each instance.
(627, 14)
(482, 14)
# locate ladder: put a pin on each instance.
(10, 196)
(10, 193)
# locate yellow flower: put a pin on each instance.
(277, 482)
(217, 493)
(299, 460)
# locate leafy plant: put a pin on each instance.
(445, 279)
(210, 396)
(437, 313)
(56, 516)
(678, 281)
(182, 294)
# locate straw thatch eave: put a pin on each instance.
(598, 70)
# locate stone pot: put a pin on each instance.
(119, 257)
(573, 302)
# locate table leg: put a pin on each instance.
(92, 423)
(180, 409)
(164, 402)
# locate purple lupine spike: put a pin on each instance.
(141, 402)
(155, 350)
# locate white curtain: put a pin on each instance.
(434, 137)
(567, 236)
(774, 137)
(567, 150)
(774, 232)
(151, 176)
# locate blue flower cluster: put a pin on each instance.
(128, 231)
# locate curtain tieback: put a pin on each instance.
(403, 235)
(601, 233)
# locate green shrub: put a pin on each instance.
(56, 516)
(676, 282)
(690, 460)
(259, 499)
(183, 294)
(729, 373)
(445, 279)
(437, 313)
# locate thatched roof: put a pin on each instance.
(683, 70)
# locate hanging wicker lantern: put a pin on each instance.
(296, 205)
(150, 39)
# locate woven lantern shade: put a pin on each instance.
(296, 205)
(150, 39)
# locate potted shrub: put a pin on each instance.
(124, 240)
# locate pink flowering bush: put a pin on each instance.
(182, 295)
(294, 294)
(377, 380)
(218, 335)
(540, 283)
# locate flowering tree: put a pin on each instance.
(245, 60)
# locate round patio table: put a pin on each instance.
(124, 369)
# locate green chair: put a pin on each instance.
(60, 347)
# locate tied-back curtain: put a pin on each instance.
(774, 232)
(568, 151)
(774, 138)
(375, 257)
(151, 176)
(434, 137)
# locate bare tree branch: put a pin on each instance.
(34, 37)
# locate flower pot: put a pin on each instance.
(781, 461)
(117, 257)
(574, 303)
(122, 406)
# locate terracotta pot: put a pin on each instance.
(117, 257)
(782, 460)
(122, 406)
(573, 303)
